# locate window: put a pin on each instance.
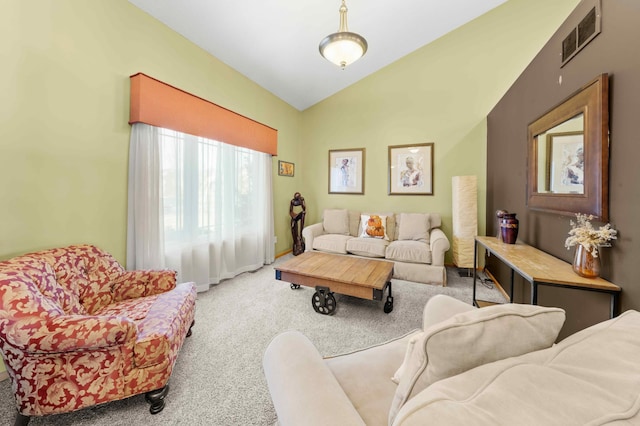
(215, 210)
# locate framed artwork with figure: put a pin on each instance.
(411, 169)
(565, 164)
(346, 171)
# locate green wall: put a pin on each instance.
(64, 136)
(441, 93)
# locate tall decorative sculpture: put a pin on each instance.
(297, 211)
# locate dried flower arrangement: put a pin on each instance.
(582, 232)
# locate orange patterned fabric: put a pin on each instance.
(76, 329)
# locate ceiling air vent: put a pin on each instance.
(580, 36)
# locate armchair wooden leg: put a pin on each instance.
(21, 420)
(190, 327)
(156, 399)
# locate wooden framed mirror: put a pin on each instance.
(568, 155)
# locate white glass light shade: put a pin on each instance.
(343, 48)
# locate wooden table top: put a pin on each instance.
(370, 273)
(536, 265)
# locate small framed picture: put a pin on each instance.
(346, 171)
(411, 169)
(285, 168)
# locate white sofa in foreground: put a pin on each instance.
(413, 241)
(491, 366)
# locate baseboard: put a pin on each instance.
(4, 376)
(284, 253)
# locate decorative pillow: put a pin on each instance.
(336, 221)
(354, 223)
(407, 357)
(414, 226)
(474, 338)
(373, 226)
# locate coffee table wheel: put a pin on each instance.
(326, 308)
(388, 305)
(295, 286)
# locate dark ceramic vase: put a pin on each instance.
(509, 228)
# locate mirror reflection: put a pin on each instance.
(560, 154)
(568, 154)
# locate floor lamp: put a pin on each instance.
(465, 219)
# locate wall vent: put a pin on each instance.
(580, 36)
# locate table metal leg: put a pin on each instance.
(512, 277)
(388, 305)
(615, 299)
(475, 266)
(534, 293)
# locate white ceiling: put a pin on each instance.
(275, 43)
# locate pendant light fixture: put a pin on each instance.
(344, 47)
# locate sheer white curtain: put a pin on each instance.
(201, 207)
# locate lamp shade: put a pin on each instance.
(465, 219)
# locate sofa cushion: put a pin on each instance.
(332, 243)
(373, 226)
(414, 226)
(336, 221)
(369, 390)
(439, 308)
(589, 378)
(354, 223)
(474, 338)
(367, 247)
(44, 277)
(409, 251)
(134, 309)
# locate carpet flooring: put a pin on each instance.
(218, 378)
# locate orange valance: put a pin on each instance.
(162, 105)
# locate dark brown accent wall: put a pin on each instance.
(613, 51)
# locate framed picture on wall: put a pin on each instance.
(285, 168)
(411, 169)
(565, 167)
(346, 171)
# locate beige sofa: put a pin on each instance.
(413, 241)
(489, 366)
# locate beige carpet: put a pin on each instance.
(218, 378)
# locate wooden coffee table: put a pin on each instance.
(333, 273)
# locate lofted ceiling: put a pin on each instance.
(275, 43)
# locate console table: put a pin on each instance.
(540, 268)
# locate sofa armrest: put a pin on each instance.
(33, 334)
(310, 232)
(439, 246)
(302, 387)
(134, 284)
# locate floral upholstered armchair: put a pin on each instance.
(77, 330)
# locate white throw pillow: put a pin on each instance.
(474, 338)
(336, 221)
(373, 226)
(407, 357)
(414, 226)
(439, 308)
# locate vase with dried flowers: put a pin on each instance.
(586, 262)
